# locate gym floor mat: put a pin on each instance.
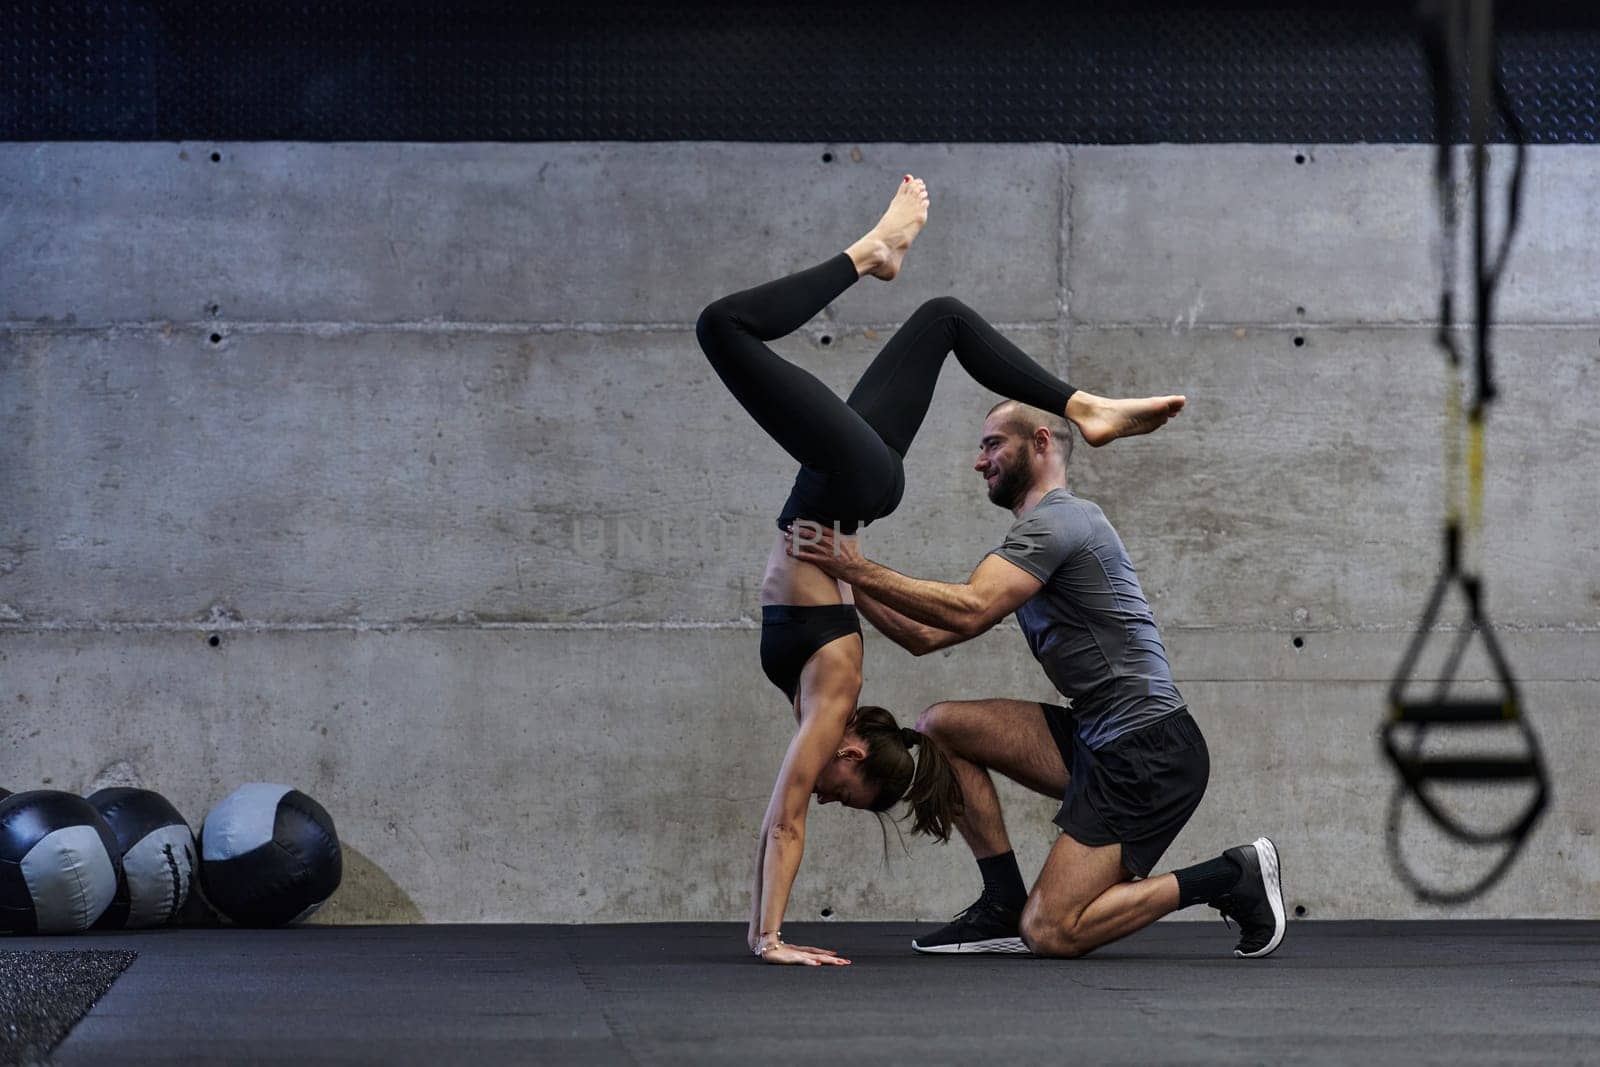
(1336, 992)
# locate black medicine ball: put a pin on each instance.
(59, 867)
(269, 856)
(158, 857)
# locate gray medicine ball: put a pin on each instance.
(158, 857)
(269, 856)
(59, 867)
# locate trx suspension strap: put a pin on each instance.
(1411, 716)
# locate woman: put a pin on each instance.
(850, 453)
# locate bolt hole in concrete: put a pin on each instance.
(1299, 342)
(1299, 642)
(216, 338)
(827, 157)
(215, 640)
(1300, 311)
(1299, 911)
(1300, 158)
(826, 339)
(216, 157)
(827, 913)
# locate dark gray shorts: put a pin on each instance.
(1137, 790)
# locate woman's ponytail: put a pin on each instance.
(926, 782)
(935, 793)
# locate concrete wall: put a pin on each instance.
(421, 436)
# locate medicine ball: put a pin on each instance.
(158, 857)
(58, 863)
(269, 856)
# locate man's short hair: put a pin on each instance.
(1023, 419)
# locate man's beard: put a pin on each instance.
(1012, 484)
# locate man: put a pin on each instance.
(1127, 760)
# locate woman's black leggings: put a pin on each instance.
(850, 450)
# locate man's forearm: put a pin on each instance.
(915, 637)
(953, 608)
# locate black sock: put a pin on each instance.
(1002, 880)
(1205, 882)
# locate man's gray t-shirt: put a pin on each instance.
(1090, 626)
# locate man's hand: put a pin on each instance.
(810, 542)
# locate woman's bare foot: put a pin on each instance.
(880, 252)
(1102, 420)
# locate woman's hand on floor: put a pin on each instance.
(803, 956)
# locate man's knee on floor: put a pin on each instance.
(1049, 934)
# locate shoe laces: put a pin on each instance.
(985, 904)
(981, 904)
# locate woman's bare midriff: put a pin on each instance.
(789, 581)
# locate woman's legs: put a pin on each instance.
(806, 418)
(845, 446)
(894, 393)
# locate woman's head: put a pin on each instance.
(882, 772)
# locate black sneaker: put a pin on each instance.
(1256, 902)
(986, 926)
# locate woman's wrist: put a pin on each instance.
(768, 940)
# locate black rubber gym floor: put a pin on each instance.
(1336, 992)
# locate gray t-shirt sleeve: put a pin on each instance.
(1041, 540)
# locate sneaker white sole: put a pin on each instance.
(1272, 875)
(1001, 945)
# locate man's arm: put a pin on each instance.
(908, 633)
(996, 589)
(997, 586)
